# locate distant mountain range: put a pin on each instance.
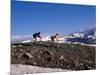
(87, 36)
(19, 39)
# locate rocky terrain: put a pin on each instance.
(54, 55)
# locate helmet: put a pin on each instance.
(38, 32)
(57, 34)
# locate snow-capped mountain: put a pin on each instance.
(87, 36)
(19, 39)
(27, 38)
(46, 38)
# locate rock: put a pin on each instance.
(61, 57)
(20, 45)
(27, 55)
(47, 53)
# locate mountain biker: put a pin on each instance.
(54, 37)
(36, 35)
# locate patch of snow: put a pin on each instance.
(78, 35)
(17, 69)
(26, 41)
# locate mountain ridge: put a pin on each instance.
(87, 36)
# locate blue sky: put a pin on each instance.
(30, 17)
